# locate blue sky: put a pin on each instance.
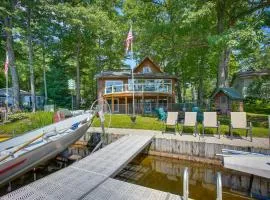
(130, 62)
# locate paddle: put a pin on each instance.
(20, 148)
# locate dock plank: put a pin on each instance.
(91, 177)
(113, 189)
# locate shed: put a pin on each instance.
(227, 100)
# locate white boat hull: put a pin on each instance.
(15, 167)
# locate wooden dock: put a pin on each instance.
(91, 177)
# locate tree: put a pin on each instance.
(8, 25)
(30, 57)
(229, 14)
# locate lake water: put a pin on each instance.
(167, 175)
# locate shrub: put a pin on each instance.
(17, 116)
(257, 105)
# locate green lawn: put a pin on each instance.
(29, 121)
(151, 123)
(23, 122)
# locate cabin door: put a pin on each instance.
(223, 104)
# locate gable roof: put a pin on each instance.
(150, 60)
(10, 92)
(230, 92)
(250, 74)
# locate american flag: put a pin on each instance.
(129, 39)
(6, 64)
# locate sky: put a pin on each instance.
(130, 62)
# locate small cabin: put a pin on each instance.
(227, 100)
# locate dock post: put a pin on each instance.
(9, 187)
(35, 175)
(219, 186)
(102, 119)
(185, 184)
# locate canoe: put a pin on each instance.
(21, 154)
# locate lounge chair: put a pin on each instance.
(161, 114)
(239, 121)
(172, 120)
(210, 121)
(190, 121)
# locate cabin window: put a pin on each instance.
(146, 70)
(112, 86)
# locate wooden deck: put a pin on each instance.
(90, 178)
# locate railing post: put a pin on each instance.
(185, 184)
(219, 186)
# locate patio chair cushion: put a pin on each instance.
(239, 120)
(172, 118)
(210, 119)
(190, 119)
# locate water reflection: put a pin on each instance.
(166, 175)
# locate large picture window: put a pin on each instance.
(151, 85)
(113, 86)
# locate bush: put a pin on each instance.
(257, 105)
(258, 120)
(30, 122)
(17, 116)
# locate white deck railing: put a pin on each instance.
(165, 88)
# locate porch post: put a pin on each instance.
(112, 105)
(157, 100)
(126, 105)
(167, 102)
(142, 105)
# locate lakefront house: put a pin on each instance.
(153, 88)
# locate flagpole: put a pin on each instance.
(132, 76)
(6, 74)
(6, 96)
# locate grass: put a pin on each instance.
(123, 121)
(29, 121)
(151, 123)
(32, 121)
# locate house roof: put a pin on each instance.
(125, 74)
(248, 74)
(10, 93)
(147, 58)
(230, 92)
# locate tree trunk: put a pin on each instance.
(12, 67)
(224, 57)
(30, 60)
(44, 74)
(178, 88)
(184, 91)
(78, 95)
(200, 85)
(223, 68)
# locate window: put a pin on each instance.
(151, 85)
(146, 70)
(113, 86)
